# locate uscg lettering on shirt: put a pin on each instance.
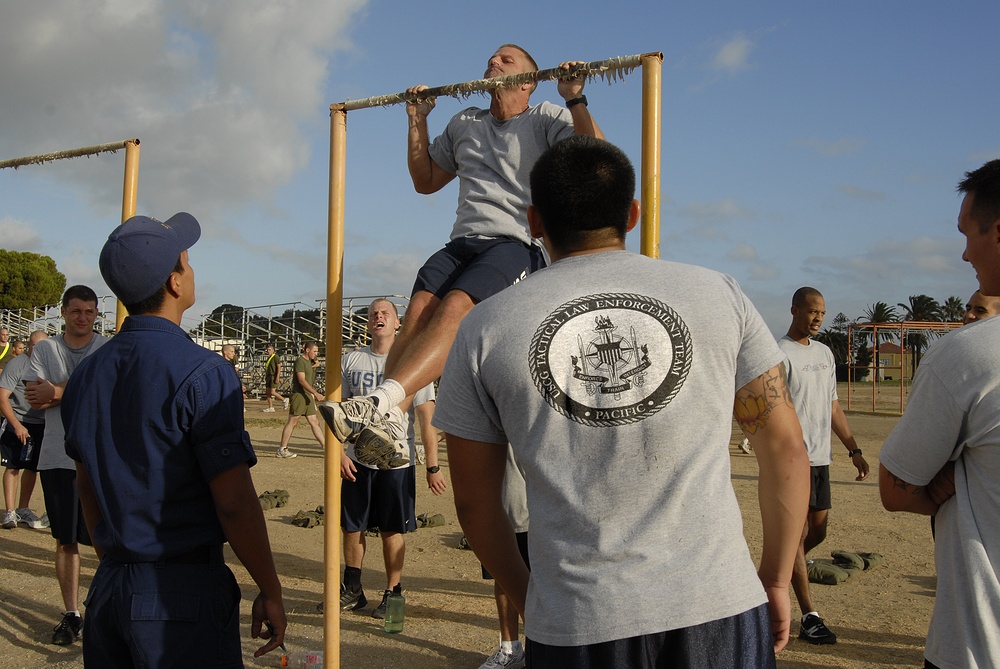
(610, 359)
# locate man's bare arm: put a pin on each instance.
(765, 412)
(477, 471)
(88, 502)
(301, 376)
(427, 176)
(242, 521)
(841, 428)
(900, 495)
(429, 435)
(7, 411)
(43, 394)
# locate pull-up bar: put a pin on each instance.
(610, 70)
(129, 191)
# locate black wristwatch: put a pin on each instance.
(582, 100)
(856, 451)
(434, 470)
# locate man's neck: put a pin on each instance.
(508, 103)
(77, 341)
(798, 337)
(381, 345)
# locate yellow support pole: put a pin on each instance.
(129, 195)
(652, 103)
(334, 337)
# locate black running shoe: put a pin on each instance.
(815, 631)
(68, 629)
(352, 600)
(379, 611)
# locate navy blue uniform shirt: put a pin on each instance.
(153, 417)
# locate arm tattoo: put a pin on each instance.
(900, 484)
(753, 407)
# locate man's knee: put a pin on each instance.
(456, 305)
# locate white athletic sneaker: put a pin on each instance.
(9, 520)
(745, 446)
(285, 453)
(28, 517)
(502, 660)
(346, 419)
(286, 404)
(268, 410)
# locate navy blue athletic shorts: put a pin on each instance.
(11, 447)
(382, 498)
(819, 488)
(478, 266)
(62, 503)
(742, 641)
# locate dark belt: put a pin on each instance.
(202, 555)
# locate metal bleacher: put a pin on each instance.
(286, 326)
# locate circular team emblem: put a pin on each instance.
(610, 359)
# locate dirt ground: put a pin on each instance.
(880, 616)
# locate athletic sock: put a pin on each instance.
(811, 613)
(507, 647)
(388, 394)
(352, 578)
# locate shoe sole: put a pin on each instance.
(335, 419)
(286, 456)
(373, 447)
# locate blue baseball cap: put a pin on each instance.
(142, 252)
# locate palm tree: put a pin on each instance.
(922, 308)
(880, 312)
(836, 340)
(953, 309)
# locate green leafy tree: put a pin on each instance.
(29, 280)
(953, 309)
(921, 309)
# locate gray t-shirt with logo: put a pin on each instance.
(613, 377)
(54, 361)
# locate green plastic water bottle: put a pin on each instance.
(394, 607)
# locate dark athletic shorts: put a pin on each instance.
(382, 498)
(11, 447)
(62, 503)
(478, 266)
(819, 488)
(742, 641)
(522, 546)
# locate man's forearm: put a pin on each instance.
(841, 428)
(584, 123)
(900, 495)
(783, 494)
(242, 522)
(418, 158)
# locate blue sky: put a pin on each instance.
(804, 143)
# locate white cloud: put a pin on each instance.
(218, 93)
(742, 251)
(734, 55)
(19, 236)
(711, 218)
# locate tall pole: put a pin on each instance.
(652, 103)
(334, 337)
(129, 195)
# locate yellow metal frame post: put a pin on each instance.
(652, 104)
(334, 337)
(129, 197)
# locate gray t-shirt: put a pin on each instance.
(953, 413)
(812, 381)
(12, 379)
(613, 377)
(493, 160)
(54, 361)
(361, 372)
